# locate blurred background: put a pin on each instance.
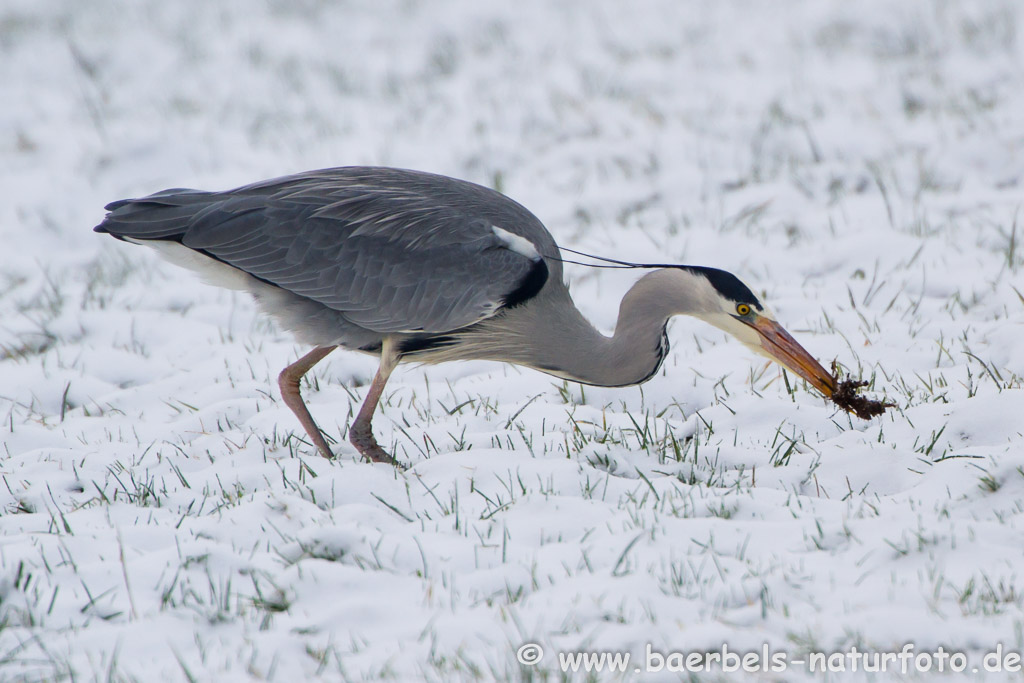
(648, 117)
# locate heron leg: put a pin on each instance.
(360, 433)
(288, 380)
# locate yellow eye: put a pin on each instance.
(742, 309)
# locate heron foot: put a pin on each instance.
(361, 437)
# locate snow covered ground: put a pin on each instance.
(859, 163)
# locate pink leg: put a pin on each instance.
(360, 433)
(288, 380)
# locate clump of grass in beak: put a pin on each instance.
(846, 396)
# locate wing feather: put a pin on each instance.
(392, 250)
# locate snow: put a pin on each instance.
(859, 164)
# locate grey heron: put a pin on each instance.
(411, 266)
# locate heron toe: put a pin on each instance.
(360, 436)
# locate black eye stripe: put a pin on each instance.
(729, 286)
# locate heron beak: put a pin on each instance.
(781, 346)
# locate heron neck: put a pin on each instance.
(635, 351)
(552, 335)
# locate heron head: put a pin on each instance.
(733, 308)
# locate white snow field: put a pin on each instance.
(861, 164)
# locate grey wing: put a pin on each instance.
(392, 251)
